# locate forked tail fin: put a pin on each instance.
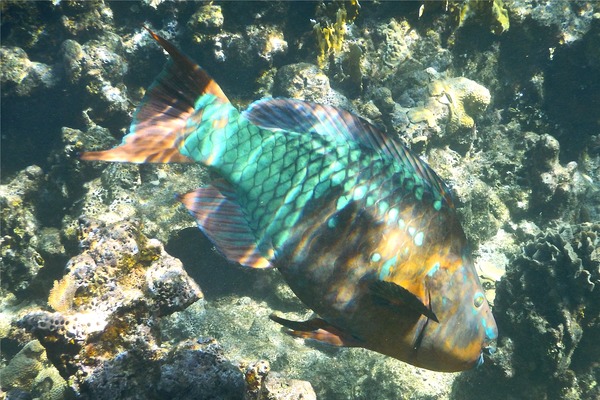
(169, 113)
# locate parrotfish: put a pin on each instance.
(364, 232)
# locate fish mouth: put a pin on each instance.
(488, 350)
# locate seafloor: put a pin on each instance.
(108, 290)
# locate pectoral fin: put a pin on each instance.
(397, 295)
(319, 330)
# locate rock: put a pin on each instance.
(20, 230)
(190, 370)
(306, 82)
(20, 76)
(112, 296)
(557, 191)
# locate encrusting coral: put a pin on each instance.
(112, 295)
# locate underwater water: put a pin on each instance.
(108, 289)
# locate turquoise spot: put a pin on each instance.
(419, 192)
(376, 257)
(437, 205)
(359, 192)
(434, 269)
(383, 207)
(392, 214)
(385, 269)
(490, 331)
(342, 202)
(401, 224)
(370, 201)
(411, 231)
(419, 238)
(332, 222)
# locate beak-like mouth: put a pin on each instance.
(489, 350)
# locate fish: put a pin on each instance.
(363, 231)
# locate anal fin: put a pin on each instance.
(221, 218)
(319, 330)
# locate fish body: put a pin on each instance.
(363, 231)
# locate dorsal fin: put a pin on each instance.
(337, 124)
(221, 218)
(160, 124)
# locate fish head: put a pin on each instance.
(466, 328)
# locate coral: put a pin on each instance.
(548, 310)
(24, 366)
(208, 18)
(190, 370)
(20, 76)
(556, 191)
(465, 99)
(99, 66)
(492, 13)
(62, 294)
(19, 230)
(30, 371)
(255, 374)
(306, 82)
(330, 35)
(114, 292)
(261, 384)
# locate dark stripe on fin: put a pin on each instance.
(221, 218)
(160, 124)
(338, 124)
(397, 295)
(319, 330)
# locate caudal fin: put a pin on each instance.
(167, 114)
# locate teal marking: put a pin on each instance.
(419, 192)
(437, 205)
(401, 223)
(385, 268)
(434, 269)
(419, 238)
(383, 207)
(370, 201)
(489, 330)
(332, 222)
(359, 192)
(342, 202)
(393, 214)
(376, 257)
(411, 231)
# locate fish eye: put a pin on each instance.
(478, 300)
